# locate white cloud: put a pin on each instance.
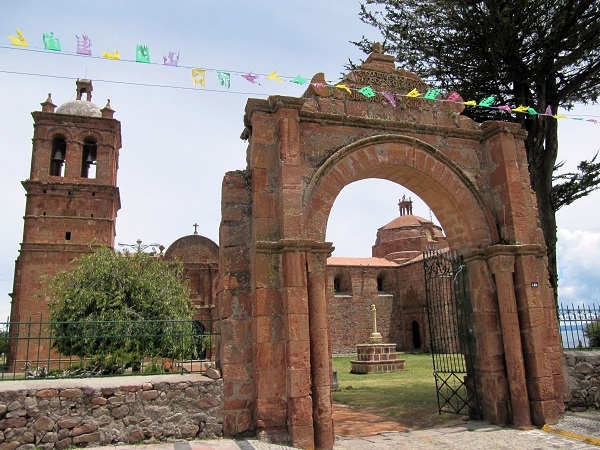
(579, 267)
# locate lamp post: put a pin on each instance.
(139, 247)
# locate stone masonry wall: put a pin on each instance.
(58, 414)
(583, 380)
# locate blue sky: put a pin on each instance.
(178, 141)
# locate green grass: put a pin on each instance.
(408, 397)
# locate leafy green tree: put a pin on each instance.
(123, 305)
(592, 332)
(537, 53)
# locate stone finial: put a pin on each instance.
(107, 111)
(377, 47)
(48, 106)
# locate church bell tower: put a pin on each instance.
(72, 194)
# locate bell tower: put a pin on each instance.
(72, 194)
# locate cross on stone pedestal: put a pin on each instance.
(375, 336)
(195, 228)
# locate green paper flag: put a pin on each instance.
(51, 42)
(142, 54)
(432, 94)
(367, 91)
(487, 102)
(299, 80)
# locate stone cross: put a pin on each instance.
(195, 228)
(375, 336)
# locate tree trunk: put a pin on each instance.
(542, 151)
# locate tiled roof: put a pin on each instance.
(370, 262)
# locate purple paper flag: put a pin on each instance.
(84, 45)
(390, 97)
(251, 78)
(172, 59)
(548, 110)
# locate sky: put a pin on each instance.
(179, 139)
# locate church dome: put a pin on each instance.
(79, 108)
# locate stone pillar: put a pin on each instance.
(503, 267)
(319, 351)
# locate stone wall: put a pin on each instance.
(583, 380)
(51, 414)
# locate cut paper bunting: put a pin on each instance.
(487, 102)
(560, 116)
(453, 97)
(548, 110)
(367, 91)
(113, 55)
(592, 120)
(251, 78)
(414, 93)
(299, 80)
(198, 77)
(273, 76)
(471, 103)
(432, 94)
(142, 54)
(390, 98)
(319, 85)
(532, 111)
(505, 108)
(344, 87)
(521, 108)
(224, 79)
(51, 42)
(171, 59)
(84, 45)
(19, 40)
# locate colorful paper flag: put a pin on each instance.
(198, 77)
(319, 85)
(19, 40)
(390, 98)
(224, 79)
(251, 78)
(367, 91)
(560, 116)
(84, 45)
(521, 108)
(505, 108)
(414, 93)
(111, 55)
(487, 102)
(50, 42)
(299, 80)
(344, 87)
(171, 59)
(470, 103)
(453, 97)
(432, 94)
(142, 54)
(273, 76)
(548, 110)
(532, 111)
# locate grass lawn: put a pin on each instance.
(407, 397)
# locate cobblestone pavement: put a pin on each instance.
(576, 431)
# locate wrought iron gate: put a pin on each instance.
(451, 339)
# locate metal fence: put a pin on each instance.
(41, 349)
(579, 327)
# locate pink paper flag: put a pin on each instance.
(505, 108)
(453, 97)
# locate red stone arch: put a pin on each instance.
(272, 294)
(415, 165)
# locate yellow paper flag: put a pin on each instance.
(113, 55)
(273, 76)
(19, 40)
(343, 86)
(471, 103)
(413, 93)
(521, 108)
(198, 77)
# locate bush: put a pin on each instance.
(592, 332)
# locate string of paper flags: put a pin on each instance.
(52, 43)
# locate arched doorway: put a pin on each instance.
(272, 300)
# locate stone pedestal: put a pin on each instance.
(376, 358)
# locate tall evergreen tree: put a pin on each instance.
(538, 53)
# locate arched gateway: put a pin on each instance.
(274, 352)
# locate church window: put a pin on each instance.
(59, 154)
(88, 162)
(416, 335)
(68, 236)
(342, 283)
(385, 282)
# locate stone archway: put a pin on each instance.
(272, 302)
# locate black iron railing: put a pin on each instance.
(579, 327)
(41, 349)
